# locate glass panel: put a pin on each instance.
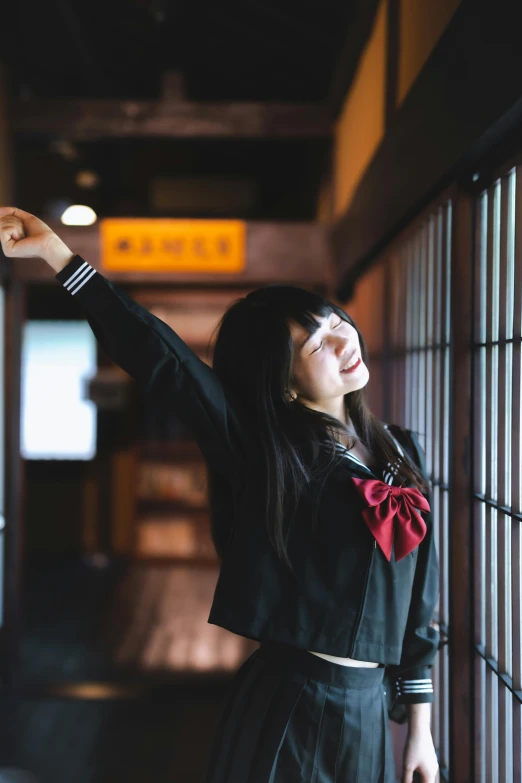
(497, 434)
(420, 347)
(58, 358)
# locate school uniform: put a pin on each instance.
(365, 586)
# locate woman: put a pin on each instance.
(319, 516)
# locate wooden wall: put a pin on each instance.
(450, 101)
(421, 23)
(5, 147)
(360, 126)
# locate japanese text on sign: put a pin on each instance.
(167, 245)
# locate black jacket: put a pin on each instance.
(347, 600)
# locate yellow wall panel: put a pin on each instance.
(422, 22)
(360, 127)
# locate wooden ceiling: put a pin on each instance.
(230, 50)
(109, 66)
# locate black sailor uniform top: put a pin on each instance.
(348, 596)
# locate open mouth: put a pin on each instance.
(352, 368)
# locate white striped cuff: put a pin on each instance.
(78, 279)
(424, 685)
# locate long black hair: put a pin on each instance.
(252, 356)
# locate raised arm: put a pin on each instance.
(168, 372)
(161, 363)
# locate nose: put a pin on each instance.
(344, 345)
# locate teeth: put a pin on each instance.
(354, 361)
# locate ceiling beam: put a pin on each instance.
(295, 253)
(86, 119)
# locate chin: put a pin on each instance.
(361, 381)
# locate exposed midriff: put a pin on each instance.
(346, 661)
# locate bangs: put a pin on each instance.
(290, 303)
(308, 319)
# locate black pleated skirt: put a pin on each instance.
(292, 717)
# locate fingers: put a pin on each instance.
(32, 224)
(12, 231)
(8, 242)
(15, 212)
(12, 227)
(19, 248)
(11, 221)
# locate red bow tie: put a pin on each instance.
(393, 507)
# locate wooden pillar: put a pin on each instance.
(6, 174)
(11, 477)
(461, 728)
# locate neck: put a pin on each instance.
(334, 407)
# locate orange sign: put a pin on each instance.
(166, 245)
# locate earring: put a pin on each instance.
(291, 398)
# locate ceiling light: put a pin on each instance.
(79, 215)
(65, 148)
(87, 179)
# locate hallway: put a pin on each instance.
(186, 156)
(122, 675)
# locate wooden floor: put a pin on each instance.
(122, 675)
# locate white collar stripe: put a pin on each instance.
(355, 459)
(391, 469)
(399, 447)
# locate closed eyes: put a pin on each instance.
(320, 344)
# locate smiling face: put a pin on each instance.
(318, 360)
